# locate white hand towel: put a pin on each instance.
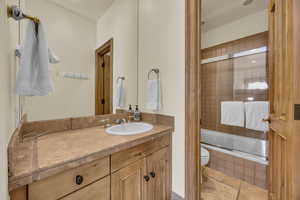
(120, 96)
(233, 113)
(255, 113)
(34, 77)
(154, 95)
(53, 58)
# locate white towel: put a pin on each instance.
(256, 111)
(154, 95)
(34, 77)
(120, 95)
(233, 113)
(53, 58)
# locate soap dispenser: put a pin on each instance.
(130, 110)
(130, 113)
(137, 114)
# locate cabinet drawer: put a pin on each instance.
(96, 191)
(128, 156)
(67, 182)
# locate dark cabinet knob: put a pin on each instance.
(79, 180)
(147, 178)
(152, 174)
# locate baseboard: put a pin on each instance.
(176, 196)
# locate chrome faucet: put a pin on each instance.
(105, 123)
(121, 121)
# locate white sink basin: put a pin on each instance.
(129, 129)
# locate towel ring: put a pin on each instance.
(121, 78)
(156, 71)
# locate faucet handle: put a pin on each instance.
(105, 122)
(118, 121)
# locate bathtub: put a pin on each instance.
(237, 156)
(243, 147)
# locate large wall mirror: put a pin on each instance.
(95, 49)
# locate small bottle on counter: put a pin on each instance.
(130, 113)
(137, 114)
(130, 110)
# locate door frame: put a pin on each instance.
(192, 99)
(107, 47)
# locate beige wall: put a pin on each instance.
(162, 45)
(120, 23)
(8, 101)
(246, 26)
(73, 38)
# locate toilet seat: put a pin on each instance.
(204, 157)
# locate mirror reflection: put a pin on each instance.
(95, 50)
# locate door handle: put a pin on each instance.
(267, 120)
(282, 117)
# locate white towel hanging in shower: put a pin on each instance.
(256, 111)
(233, 113)
(34, 77)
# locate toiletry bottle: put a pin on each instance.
(137, 114)
(130, 110)
(130, 113)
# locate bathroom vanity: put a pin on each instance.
(76, 159)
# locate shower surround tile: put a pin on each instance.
(245, 170)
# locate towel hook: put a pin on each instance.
(155, 70)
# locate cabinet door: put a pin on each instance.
(158, 167)
(99, 190)
(129, 182)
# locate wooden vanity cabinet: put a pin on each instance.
(65, 183)
(158, 166)
(128, 183)
(99, 190)
(145, 179)
(141, 172)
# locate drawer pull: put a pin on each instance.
(147, 178)
(79, 180)
(152, 174)
(138, 154)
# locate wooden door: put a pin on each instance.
(103, 85)
(129, 183)
(280, 98)
(96, 191)
(104, 79)
(278, 166)
(158, 168)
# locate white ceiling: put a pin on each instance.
(218, 12)
(92, 9)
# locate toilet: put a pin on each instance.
(204, 157)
